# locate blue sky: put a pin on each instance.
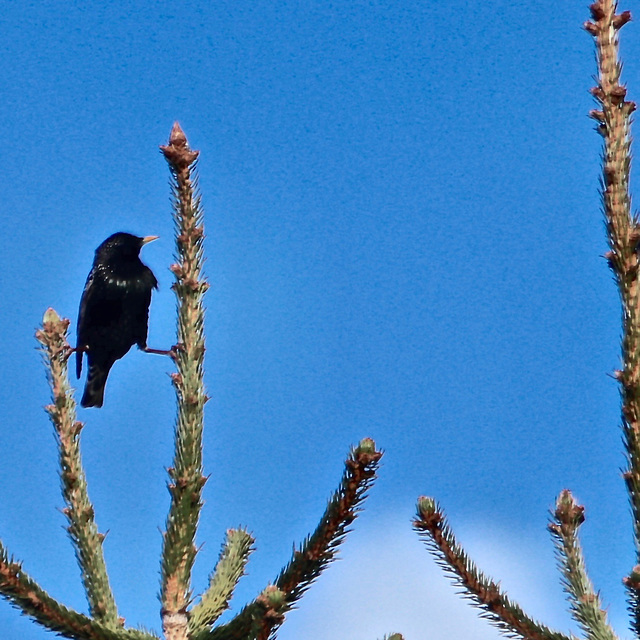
(403, 242)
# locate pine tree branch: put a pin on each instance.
(431, 525)
(82, 528)
(24, 594)
(260, 619)
(229, 569)
(584, 601)
(614, 121)
(187, 481)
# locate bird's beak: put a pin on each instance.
(148, 239)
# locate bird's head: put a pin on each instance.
(122, 245)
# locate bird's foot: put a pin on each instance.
(67, 351)
(177, 348)
(160, 352)
(172, 353)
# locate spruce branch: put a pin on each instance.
(187, 480)
(614, 120)
(585, 603)
(87, 541)
(228, 571)
(25, 594)
(260, 619)
(431, 525)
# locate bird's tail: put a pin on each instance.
(93, 395)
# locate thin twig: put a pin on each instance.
(25, 594)
(263, 616)
(431, 524)
(187, 480)
(229, 569)
(585, 602)
(614, 120)
(82, 528)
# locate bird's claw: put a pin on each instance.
(67, 350)
(175, 350)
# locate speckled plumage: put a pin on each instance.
(114, 310)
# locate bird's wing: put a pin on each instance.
(91, 299)
(150, 278)
(82, 322)
(141, 321)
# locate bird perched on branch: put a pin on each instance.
(114, 310)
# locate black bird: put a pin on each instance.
(114, 310)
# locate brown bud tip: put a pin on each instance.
(621, 19)
(568, 511)
(618, 94)
(597, 12)
(177, 152)
(177, 137)
(596, 114)
(633, 580)
(590, 27)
